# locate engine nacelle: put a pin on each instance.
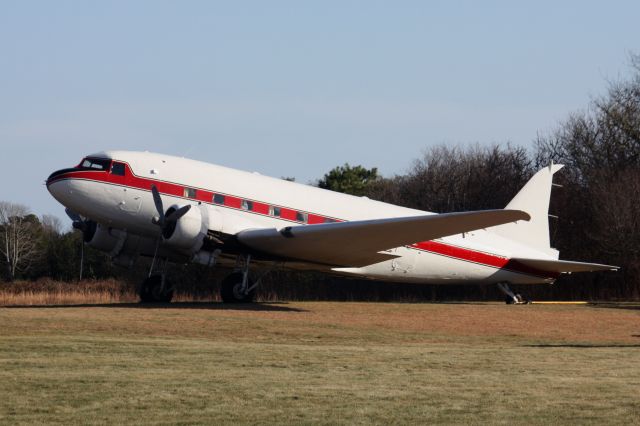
(187, 233)
(105, 239)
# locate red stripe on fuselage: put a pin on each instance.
(206, 196)
(482, 258)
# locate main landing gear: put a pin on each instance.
(156, 288)
(238, 287)
(511, 297)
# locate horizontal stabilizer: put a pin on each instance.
(563, 266)
(359, 242)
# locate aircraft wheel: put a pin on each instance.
(151, 291)
(231, 289)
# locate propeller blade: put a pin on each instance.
(175, 215)
(158, 202)
(73, 215)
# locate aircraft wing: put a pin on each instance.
(359, 243)
(563, 266)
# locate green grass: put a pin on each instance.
(322, 363)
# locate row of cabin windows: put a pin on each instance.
(119, 169)
(273, 210)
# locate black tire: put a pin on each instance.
(150, 291)
(229, 289)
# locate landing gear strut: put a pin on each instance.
(511, 297)
(238, 287)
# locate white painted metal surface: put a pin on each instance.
(461, 249)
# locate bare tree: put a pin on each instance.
(449, 179)
(18, 237)
(51, 224)
(599, 213)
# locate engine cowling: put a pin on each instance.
(187, 233)
(105, 239)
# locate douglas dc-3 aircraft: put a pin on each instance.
(179, 210)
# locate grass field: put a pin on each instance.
(320, 363)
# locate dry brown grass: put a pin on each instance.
(591, 323)
(31, 298)
(338, 322)
(50, 292)
(321, 363)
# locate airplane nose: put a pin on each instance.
(53, 187)
(56, 183)
(58, 173)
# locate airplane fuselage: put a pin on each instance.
(118, 198)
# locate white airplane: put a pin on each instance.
(179, 210)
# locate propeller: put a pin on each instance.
(166, 221)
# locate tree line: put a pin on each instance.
(595, 214)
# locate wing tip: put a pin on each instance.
(519, 214)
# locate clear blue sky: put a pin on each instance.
(292, 88)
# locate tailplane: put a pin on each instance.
(562, 266)
(533, 198)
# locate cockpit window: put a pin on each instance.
(97, 164)
(117, 169)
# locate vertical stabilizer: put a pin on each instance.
(533, 198)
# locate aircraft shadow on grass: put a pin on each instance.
(613, 305)
(266, 307)
(584, 345)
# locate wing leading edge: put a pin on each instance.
(359, 243)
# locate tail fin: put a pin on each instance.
(533, 198)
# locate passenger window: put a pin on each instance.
(218, 198)
(246, 205)
(274, 211)
(302, 217)
(329, 220)
(117, 169)
(190, 193)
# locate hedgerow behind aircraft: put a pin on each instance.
(178, 210)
